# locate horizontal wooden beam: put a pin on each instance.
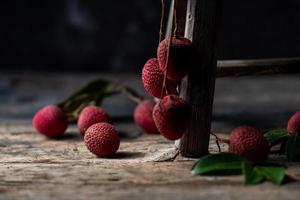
(228, 68)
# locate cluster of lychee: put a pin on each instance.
(250, 142)
(100, 137)
(170, 114)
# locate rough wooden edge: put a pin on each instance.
(202, 27)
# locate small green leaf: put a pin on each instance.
(250, 175)
(93, 93)
(276, 134)
(271, 173)
(255, 174)
(293, 148)
(222, 163)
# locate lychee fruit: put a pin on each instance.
(102, 139)
(172, 116)
(143, 116)
(250, 143)
(50, 121)
(179, 60)
(153, 79)
(293, 126)
(91, 115)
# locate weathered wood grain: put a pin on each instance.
(202, 28)
(32, 167)
(230, 68)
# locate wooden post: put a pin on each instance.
(203, 20)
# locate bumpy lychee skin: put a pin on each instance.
(102, 139)
(153, 79)
(172, 116)
(50, 121)
(250, 143)
(179, 57)
(293, 126)
(91, 115)
(143, 116)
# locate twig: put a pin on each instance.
(175, 18)
(130, 94)
(220, 139)
(161, 21)
(169, 41)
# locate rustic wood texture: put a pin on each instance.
(229, 68)
(202, 27)
(32, 167)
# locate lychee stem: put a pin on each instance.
(130, 94)
(226, 141)
(175, 19)
(164, 88)
(161, 21)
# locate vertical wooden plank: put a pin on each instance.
(202, 27)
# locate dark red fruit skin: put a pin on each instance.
(250, 143)
(153, 78)
(172, 116)
(293, 126)
(180, 55)
(143, 116)
(91, 115)
(50, 121)
(102, 139)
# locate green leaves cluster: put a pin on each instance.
(229, 163)
(289, 143)
(92, 94)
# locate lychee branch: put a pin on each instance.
(218, 139)
(169, 41)
(130, 94)
(161, 21)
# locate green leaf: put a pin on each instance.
(250, 175)
(293, 148)
(255, 174)
(271, 173)
(93, 93)
(222, 163)
(276, 134)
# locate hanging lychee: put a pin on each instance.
(179, 59)
(153, 79)
(172, 116)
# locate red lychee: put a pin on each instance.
(143, 116)
(250, 143)
(153, 79)
(172, 116)
(293, 126)
(91, 115)
(50, 121)
(102, 139)
(179, 60)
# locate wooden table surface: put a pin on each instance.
(32, 167)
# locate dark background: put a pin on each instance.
(120, 35)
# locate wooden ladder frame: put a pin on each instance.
(200, 21)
